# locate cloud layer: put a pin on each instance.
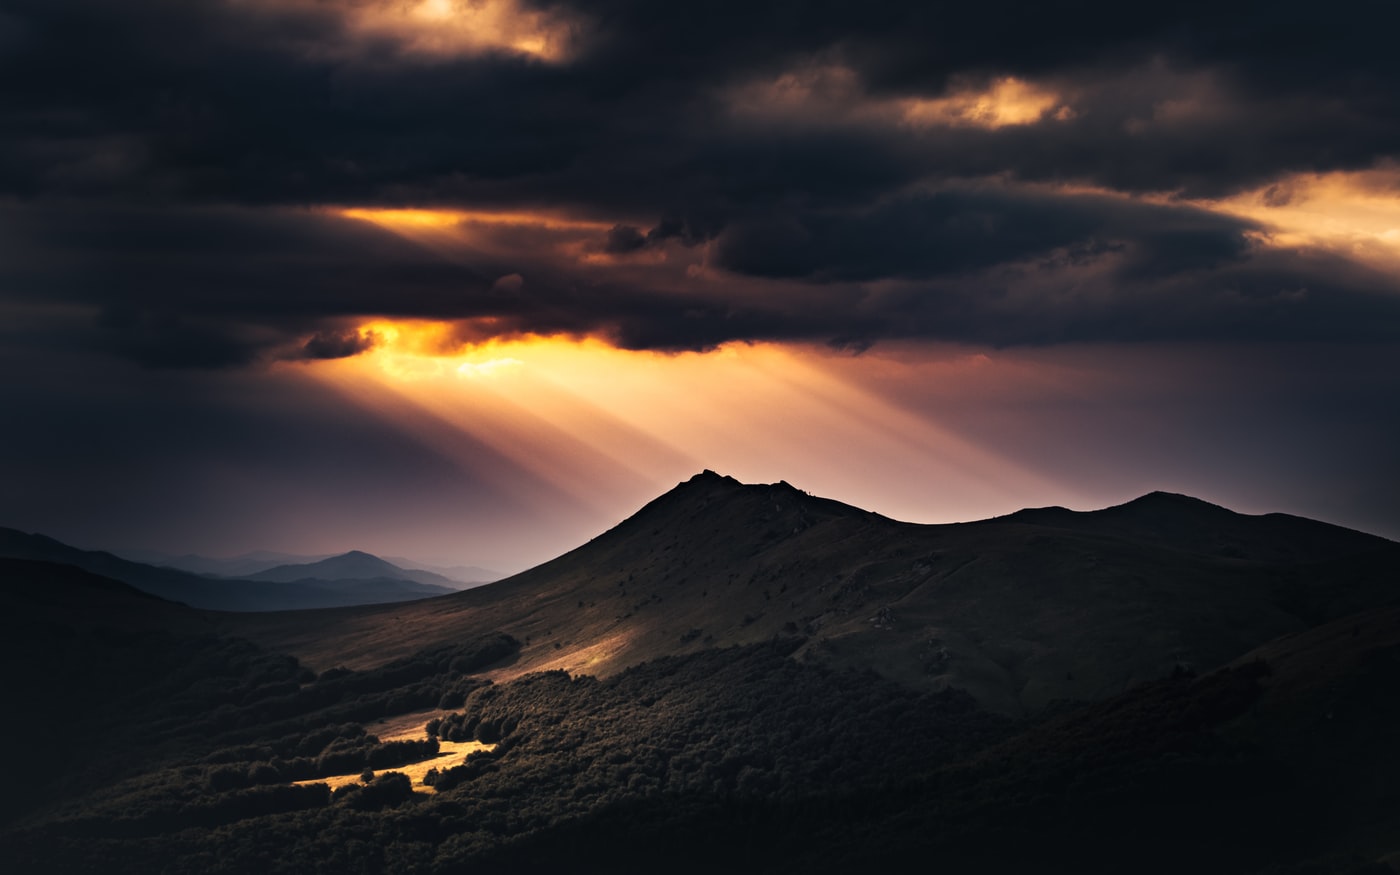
(972, 172)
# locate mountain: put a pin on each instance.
(1185, 524)
(216, 594)
(1021, 611)
(356, 565)
(249, 565)
(758, 680)
(234, 566)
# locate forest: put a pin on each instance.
(742, 758)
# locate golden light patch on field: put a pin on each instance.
(450, 754)
(592, 659)
(405, 727)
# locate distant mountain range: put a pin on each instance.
(355, 565)
(354, 578)
(250, 565)
(234, 566)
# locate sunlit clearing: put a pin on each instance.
(603, 425)
(1358, 212)
(450, 755)
(1007, 101)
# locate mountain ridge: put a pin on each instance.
(1017, 610)
(770, 668)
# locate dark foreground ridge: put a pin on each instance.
(754, 680)
(1019, 611)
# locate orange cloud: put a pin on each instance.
(532, 235)
(409, 220)
(1003, 103)
(824, 94)
(1356, 212)
(443, 29)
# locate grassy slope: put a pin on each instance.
(1226, 773)
(1021, 610)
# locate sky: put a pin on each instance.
(470, 281)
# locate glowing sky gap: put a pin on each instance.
(593, 421)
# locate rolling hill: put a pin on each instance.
(1020, 610)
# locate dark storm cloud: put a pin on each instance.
(172, 340)
(157, 154)
(231, 101)
(956, 232)
(329, 343)
(211, 288)
(976, 265)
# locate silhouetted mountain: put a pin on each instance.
(1020, 611)
(234, 566)
(220, 595)
(778, 687)
(1187, 524)
(356, 565)
(249, 565)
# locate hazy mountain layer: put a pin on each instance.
(222, 594)
(355, 565)
(233, 566)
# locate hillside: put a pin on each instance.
(1020, 611)
(221, 594)
(755, 687)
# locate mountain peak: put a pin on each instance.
(1159, 501)
(701, 487)
(709, 477)
(1161, 497)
